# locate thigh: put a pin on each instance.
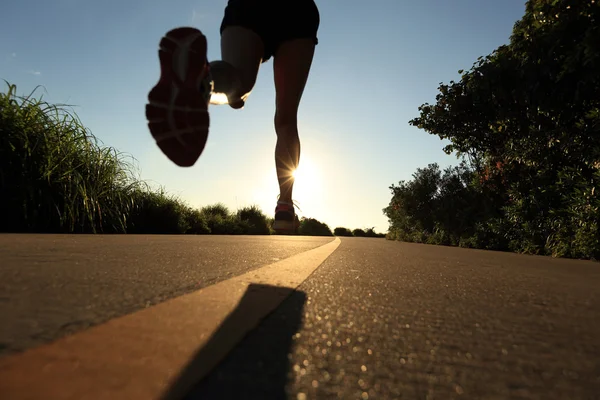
(242, 48)
(252, 15)
(291, 67)
(296, 37)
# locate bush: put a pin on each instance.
(218, 219)
(154, 212)
(256, 222)
(313, 227)
(340, 231)
(359, 233)
(372, 234)
(196, 223)
(218, 209)
(220, 225)
(246, 221)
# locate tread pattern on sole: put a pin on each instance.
(177, 109)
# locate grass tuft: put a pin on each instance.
(54, 174)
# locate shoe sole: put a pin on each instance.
(177, 113)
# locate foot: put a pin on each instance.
(227, 85)
(286, 220)
(177, 109)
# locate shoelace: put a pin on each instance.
(294, 204)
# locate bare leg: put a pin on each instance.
(235, 75)
(291, 66)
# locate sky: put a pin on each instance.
(376, 62)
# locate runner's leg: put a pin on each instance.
(241, 54)
(291, 67)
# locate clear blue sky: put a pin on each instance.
(376, 62)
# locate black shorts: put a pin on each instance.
(275, 21)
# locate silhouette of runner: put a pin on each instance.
(252, 31)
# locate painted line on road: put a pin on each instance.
(142, 355)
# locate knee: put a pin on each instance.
(286, 126)
(247, 83)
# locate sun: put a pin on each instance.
(307, 182)
(296, 174)
(304, 172)
(308, 192)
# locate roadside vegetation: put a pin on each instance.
(56, 177)
(525, 123)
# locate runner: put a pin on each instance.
(252, 31)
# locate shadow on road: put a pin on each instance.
(259, 366)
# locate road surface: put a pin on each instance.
(375, 320)
(52, 285)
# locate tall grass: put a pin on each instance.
(54, 175)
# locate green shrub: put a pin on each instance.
(313, 227)
(155, 212)
(218, 209)
(340, 231)
(196, 223)
(54, 175)
(254, 221)
(359, 233)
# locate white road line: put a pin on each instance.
(141, 355)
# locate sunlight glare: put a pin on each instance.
(306, 180)
(218, 99)
(308, 190)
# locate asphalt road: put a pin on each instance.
(388, 320)
(377, 320)
(54, 285)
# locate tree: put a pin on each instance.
(527, 118)
(442, 207)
